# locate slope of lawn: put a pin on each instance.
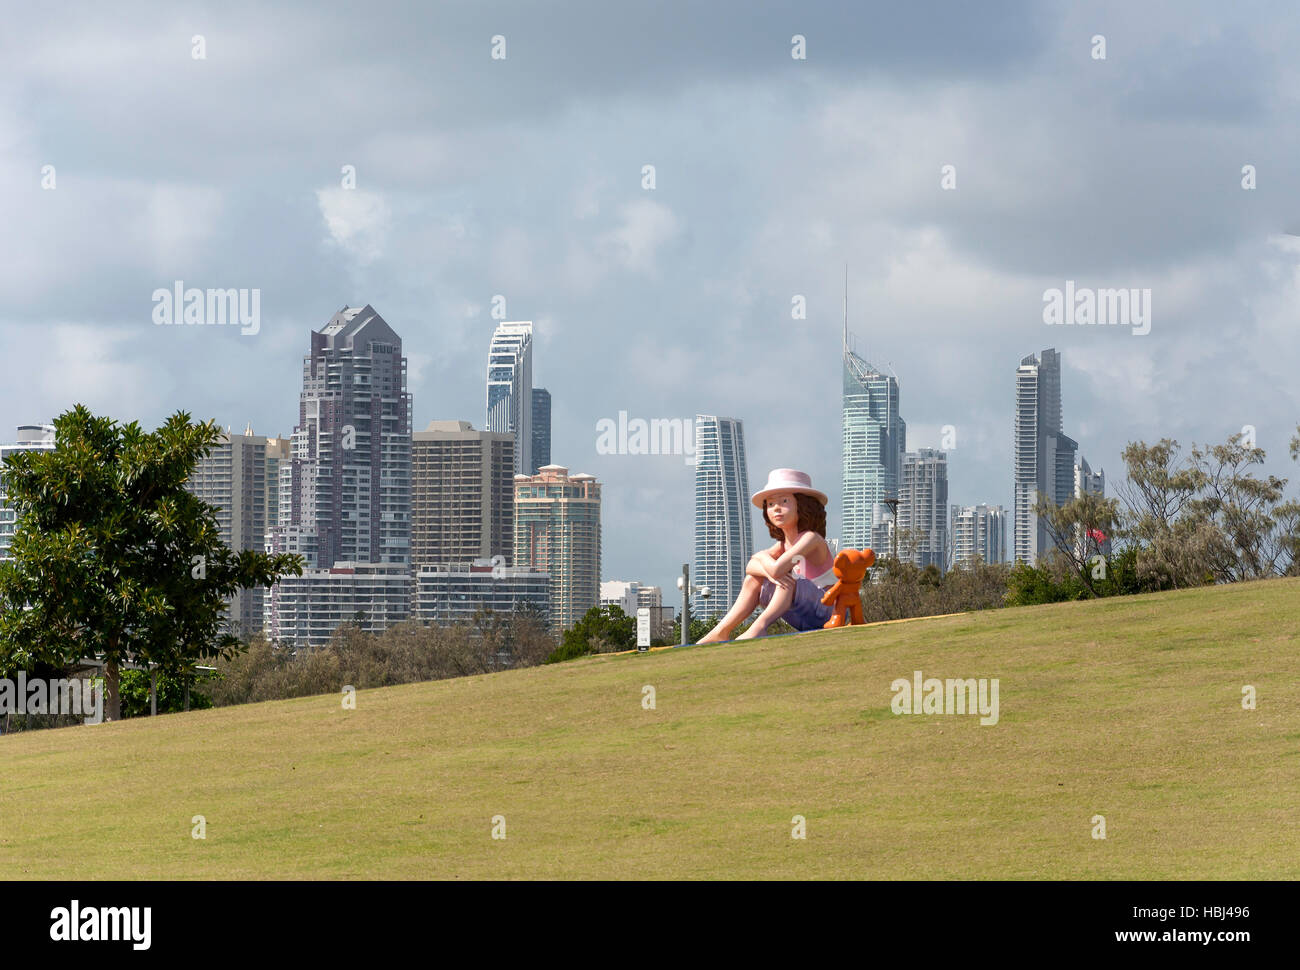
(1127, 708)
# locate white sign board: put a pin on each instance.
(643, 627)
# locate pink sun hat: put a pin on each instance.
(787, 480)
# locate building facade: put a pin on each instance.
(874, 436)
(30, 437)
(510, 388)
(541, 429)
(923, 509)
(1086, 481)
(1044, 456)
(633, 596)
(308, 609)
(240, 478)
(557, 531)
(462, 494)
(724, 535)
(978, 532)
(448, 593)
(345, 495)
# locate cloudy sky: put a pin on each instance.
(523, 176)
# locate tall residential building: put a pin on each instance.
(279, 454)
(240, 478)
(874, 438)
(31, 437)
(541, 429)
(923, 509)
(979, 531)
(510, 388)
(346, 490)
(724, 536)
(462, 494)
(1086, 482)
(557, 531)
(1044, 457)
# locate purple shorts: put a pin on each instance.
(807, 611)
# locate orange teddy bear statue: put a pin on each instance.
(850, 567)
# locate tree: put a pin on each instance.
(1208, 518)
(1257, 528)
(113, 559)
(1078, 529)
(604, 629)
(699, 629)
(135, 687)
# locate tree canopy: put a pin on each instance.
(113, 559)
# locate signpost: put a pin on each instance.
(643, 628)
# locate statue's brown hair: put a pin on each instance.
(811, 515)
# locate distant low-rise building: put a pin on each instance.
(306, 610)
(451, 593)
(632, 596)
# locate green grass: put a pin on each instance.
(1128, 708)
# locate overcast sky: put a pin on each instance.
(523, 177)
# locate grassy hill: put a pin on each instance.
(1127, 708)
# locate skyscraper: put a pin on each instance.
(923, 509)
(510, 388)
(541, 428)
(978, 530)
(239, 477)
(724, 536)
(874, 438)
(1044, 457)
(557, 531)
(346, 492)
(462, 494)
(1086, 482)
(31, 437)
(351, 467)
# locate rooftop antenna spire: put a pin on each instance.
(846, 308)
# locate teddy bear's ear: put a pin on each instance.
(843, 559)
(868, 557)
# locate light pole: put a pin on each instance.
(684, 584)
(892, 502)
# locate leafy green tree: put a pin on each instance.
(1054, 579)
(700, 627)
(113, 559)
(605, 629)
(171, 694)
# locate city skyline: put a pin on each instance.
(517, 189)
